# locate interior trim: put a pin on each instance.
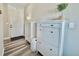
(6, 38)
(16, 38)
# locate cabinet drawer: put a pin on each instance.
(51, 50)
(54, 25)
(47, 50)
(52, 38)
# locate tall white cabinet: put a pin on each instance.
(16, 21)
(50, 37)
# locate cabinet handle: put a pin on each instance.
(10, 26)
(35, 40)
(50, 49)
(51, 25)
(51, 31)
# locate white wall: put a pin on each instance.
(41, 10)
(27, 30)
(71, 46)
(5, 21)
(1, 31)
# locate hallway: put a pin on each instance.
(50, 31)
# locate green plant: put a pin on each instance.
(62, 6)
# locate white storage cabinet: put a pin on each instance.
(50, 37)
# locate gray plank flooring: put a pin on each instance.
(18, 48)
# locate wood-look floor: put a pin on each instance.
(18, 48)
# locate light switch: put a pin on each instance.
(71, 25)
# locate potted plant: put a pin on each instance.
(58, 13)
(60, 8)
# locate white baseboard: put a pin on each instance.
(6, 38)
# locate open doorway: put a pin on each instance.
(14, 41)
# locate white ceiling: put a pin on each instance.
(18, 5)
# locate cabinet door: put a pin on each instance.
(41, 48)
(51, 25)
(16, 22)
(40, 45)
(39, 32)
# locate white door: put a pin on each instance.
(13, 25)
(1, 35)
(16, 23)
